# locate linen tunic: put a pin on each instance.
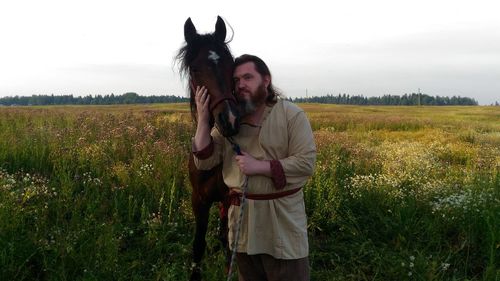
(276, 227)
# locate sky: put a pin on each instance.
(313, 48)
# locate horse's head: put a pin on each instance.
(207, 61)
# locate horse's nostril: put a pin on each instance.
(237, 124)
(222, 120)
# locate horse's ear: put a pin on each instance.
(189, 31)
(220, 30)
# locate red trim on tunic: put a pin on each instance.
(278, 175)
(205, 152)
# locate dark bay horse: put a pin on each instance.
(206, 61)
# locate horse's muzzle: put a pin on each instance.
(229, 122)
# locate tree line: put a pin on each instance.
(127, 98)
(406, 99)
(134, 98)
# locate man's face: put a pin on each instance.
(250, 86)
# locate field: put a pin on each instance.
(101, 193)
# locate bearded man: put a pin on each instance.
(278, 155)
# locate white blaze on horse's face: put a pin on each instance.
(213, 56)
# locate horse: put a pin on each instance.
(207, 61)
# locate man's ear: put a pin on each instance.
(267, 80)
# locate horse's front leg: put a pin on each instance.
(201, 213)
(223, 231)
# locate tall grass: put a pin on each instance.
(101, 193)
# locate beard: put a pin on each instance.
(250, 103)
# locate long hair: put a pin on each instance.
(263, 70)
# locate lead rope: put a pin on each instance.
(236, 149)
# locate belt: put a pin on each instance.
(235, 197)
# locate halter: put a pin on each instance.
(214, 103)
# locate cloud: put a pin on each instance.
(462, 62)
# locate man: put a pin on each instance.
(278, 156)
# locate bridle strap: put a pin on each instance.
(216, 102)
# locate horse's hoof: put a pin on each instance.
(195, 272)
(195, 276)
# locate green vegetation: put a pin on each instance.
(406, 99)
(134, 98)
(101, 193)
(127, 98)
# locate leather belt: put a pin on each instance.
(235, 197)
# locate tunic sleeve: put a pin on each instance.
(205, 152)
(210, 156)
(277, 174)
(302, 150)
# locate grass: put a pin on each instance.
(101, 193)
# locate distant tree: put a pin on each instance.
(134, 98)
(127, 98)
(406, 99)
(130, 97)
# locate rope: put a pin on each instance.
(238, 227)
(237, 150)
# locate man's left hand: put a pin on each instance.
(251, 166)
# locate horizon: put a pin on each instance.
(495, 103)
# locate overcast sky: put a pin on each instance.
(368, 48)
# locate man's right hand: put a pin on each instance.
(202, 137)
(202, 100)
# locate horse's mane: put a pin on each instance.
(187, 54)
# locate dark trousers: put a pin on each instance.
(265, 267)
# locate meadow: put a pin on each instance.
(101, 193)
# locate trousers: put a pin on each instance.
(263, 267)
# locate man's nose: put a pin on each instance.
(240, 85)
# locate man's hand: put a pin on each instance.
(202, 100)
(251, 166)
(202, 135)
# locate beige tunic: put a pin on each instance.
(276, 227)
